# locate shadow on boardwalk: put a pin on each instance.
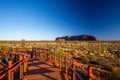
(42, 70)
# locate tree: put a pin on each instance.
(23, 43)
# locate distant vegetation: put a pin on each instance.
(115, 75)
(105, 54)
(102, 54)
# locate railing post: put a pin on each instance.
(40, 55)
(66, 67)
(50, 57)
(90, 72)
(41, 52)
(10, 75)
(45, 56)
(10, 55)
(50, 54)
(55, 58)
(35, 53)
(13, 50)
(15, 57)
(21, 66)
(25, 63)
(74, 68)
(60, 62)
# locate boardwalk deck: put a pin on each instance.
(42, 70)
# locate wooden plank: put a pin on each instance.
(42, 70)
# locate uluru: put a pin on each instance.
(84, 37)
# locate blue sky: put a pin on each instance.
(48, 19)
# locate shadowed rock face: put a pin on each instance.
(78, 38)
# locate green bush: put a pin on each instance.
(105, 63)
(85, 59)
(115, 75)
(93, 59)
(108, 67)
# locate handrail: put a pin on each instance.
(12, 67)
(3, 64)
(71, 64)
(3, 75)
(3, 69)
(56, 59)
(75, 72)
(65, 63)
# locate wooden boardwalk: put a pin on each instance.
(42, 70)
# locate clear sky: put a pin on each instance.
(48, 19)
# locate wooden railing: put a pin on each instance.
(16, 67)
(69, 66)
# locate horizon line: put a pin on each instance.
(48, 40)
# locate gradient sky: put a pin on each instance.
(48, 19)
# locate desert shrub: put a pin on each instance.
(108, 67)
(114, 75)
(85, 59)
(114, 61)
(93, 59)
(60, 51)
(105, 63)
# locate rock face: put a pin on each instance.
(83, 37)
